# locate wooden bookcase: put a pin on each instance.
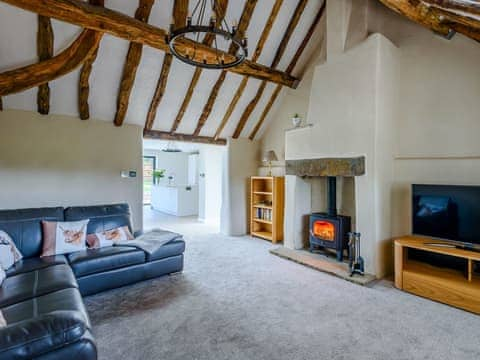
(456, 286)
(267, 203)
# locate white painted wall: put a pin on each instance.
(241, 162)
(63, 161)
(427, 123)
(211, 161)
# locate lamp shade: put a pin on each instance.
(269, 156)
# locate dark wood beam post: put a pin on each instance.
(258, 51)
(84, 85)
(134, 56)
(242, 29)
(276, 60)
(164, 135)
(220, 13)
(117, 24)
(44, 52)
(30, 76)
(180, 12)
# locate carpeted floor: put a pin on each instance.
(235, 300)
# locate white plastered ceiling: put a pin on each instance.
(18, 30)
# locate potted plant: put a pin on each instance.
(157, 175)
(296, 120)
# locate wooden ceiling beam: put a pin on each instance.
(31, 76)
(290, 68)
(84, 81)
(180, 13)
(241, 88)
(165, 135)
(459, 6)
(119, 25)
(242, 29)
(220, 13)
(130, 67)
(442, 16)
(44, 52)
(276, 60)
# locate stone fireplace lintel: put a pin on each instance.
(326, 167)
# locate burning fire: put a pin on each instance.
(324, 230)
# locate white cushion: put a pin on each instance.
(9, 254)
(64, 237)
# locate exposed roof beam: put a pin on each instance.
(180, 13)
(276, 60)
(83, 84)
(44, 52)
(30, 76)
(290, 68)
(241, 88)
(442, 17)
(244, 22)
(164, 135)
(220, 13)
(117, 24)
(130, 67)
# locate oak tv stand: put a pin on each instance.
(459, 287)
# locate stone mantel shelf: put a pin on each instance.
(354, 166)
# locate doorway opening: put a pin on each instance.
(149, 166)
(183, 186)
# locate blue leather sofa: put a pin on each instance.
(41, 298)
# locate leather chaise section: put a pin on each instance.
(27, 265)
(93, 261)
(30, 338)
(31, 284)
(62, 300)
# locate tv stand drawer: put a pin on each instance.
(462, 294)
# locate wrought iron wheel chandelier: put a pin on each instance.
(201, 25)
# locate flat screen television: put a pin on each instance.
(449, 212)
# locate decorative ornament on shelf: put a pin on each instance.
(268, 157)
(199, 26)
(296, 120)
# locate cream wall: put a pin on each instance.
(427, 124)
(175, 164)
(63, 161)
(240, 164)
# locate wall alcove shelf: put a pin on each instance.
(267, 201)
(457, 286)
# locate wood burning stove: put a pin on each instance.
(330, 230)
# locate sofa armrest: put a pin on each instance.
(33, 337)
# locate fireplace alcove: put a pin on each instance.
(307, 197)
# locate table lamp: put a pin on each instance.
(268, 157)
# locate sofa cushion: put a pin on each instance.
(93, 261)
(173, 248)
(25, 227)
(102, 217)
(31, 284)
(33, 337)
(62, 300)
(32, 264)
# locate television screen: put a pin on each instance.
(446, 211)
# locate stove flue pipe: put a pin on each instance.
(332, 195)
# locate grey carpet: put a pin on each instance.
(235, 300)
